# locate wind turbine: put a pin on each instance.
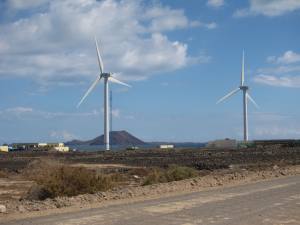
(246, 96)
(107, 77)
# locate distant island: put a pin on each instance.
(116, 138)
(124, 138)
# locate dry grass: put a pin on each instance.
(3, 174)
(172, 173)
(55, 179)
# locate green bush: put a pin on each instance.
(172, 173)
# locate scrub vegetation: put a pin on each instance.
(54, 179)
(172, 173)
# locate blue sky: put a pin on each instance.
(179, 56)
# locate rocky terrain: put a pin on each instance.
(215, 168)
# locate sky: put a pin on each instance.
(180, 56)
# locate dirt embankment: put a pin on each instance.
(213, 179)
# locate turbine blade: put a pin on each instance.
(89, 90)
(114, 80)
(228, 95)
(99, 57)
(243, 70)
(251, 100)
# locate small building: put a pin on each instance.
(40, 147)
(226, 143)
(62, 148)
(60, 144)
(4, 148)
(24, 146)
(166, 146)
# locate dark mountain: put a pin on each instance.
(116, 138)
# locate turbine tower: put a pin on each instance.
(246, 96)
(106, 77)
(111, 110)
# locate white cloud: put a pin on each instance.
(283, 75)
(116, 113)
(24, 113)
(284, 81)
(287, 58)
(215, 3)
(19, 110)
(166, 19)
(269, 117)
(276, 132)
(269, 8)
(16, 112)
(22, 5)
(279, 70)
(274, 125)
(211, 25)
(62, 135)
(55, 44)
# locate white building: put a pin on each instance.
(62, 149)
(166, 146)
(4, 148)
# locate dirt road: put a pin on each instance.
(267, 202)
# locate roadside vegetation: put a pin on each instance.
(54, 179)
(28, 178)
(172, 173)
(3, 174)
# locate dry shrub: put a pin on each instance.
(3, 174)
(210, 166)
(40, 168)
(155, 176)
(175, 173)
(142, 172)
(55, 179)
(172, 173)
(70, 181)
(117, 178)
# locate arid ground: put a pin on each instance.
(214, 167)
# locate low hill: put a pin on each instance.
(116, 138)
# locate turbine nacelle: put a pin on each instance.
(244, 88)
(105, 75)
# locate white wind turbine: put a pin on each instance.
(246, 96)
(107, 77)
